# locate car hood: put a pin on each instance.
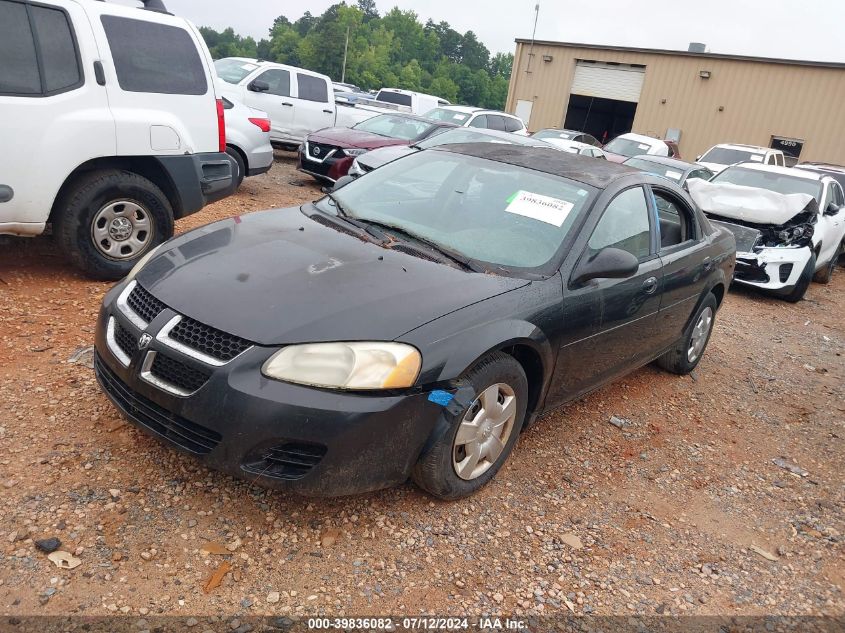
(749, 204)
(348, 137)
(279, 277)
(384, 155)
(714, 167)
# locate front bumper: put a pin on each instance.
(772, 268)
(329, 168)
(279, 435)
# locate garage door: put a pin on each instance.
(621, 82)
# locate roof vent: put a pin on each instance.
(154, 5)
(697, 47)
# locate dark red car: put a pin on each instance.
(328, 154)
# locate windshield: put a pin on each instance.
(233, 70)
(445, 114)
(564, 134)
(627, 147)
(394, 126)
(483, 210)
(656, 168)
(779, 183)
(725, 156)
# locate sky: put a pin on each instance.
(793, 29)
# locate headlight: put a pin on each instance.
(346, 365)
(351, 151)
(142, 262)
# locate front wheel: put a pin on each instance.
(687, 352)
(482, 436)
(825, 274)
(108, 220)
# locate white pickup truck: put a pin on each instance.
(298, 101)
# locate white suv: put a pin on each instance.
(720, 156)
(467, 116)
(111, 127)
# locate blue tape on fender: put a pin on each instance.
(438, 396)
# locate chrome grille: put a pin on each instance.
(126, 341)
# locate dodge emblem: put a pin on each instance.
(144, 341)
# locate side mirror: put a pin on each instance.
(342, 182)
(832, 209)
(608, 263)
(258, 86)
(698, 158)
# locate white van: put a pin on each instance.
(110, 126)
(416, 102)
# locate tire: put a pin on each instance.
(825, 274)
(497, 375)
(800, 289)
(687, 352)
(83, 213)
(239, 167)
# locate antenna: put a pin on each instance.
(533, 33)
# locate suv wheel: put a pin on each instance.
(482, 436)
(109, 219)
(825, 274)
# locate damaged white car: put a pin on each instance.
(789, 224)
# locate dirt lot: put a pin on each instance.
(681, 512)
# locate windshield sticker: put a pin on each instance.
(676, 175)
(642, 146)
(249, 66)
(543, 208)
(756, 158)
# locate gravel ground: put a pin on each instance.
(682, 511)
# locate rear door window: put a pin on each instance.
(479, 121)
(312, 88)
(58, 49)
(495, 122)
(19, 69)
(152, 57)
(512, 125)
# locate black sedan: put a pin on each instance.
(412, 322)
(678, 171)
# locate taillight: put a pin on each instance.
(221, 126)
(264, 124)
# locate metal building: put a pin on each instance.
(696, 98)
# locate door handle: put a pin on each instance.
(328, 111)
(650, 285)
(708, 263)
(285, 103)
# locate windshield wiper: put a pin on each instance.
(464, 261)
(364, 226)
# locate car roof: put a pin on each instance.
(460, 108)
(640, 137)
(589, 171)
(751, 148)
(839, 169)
(669, 162)
(516, 139)
(786, 171)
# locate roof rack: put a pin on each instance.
(154, 5)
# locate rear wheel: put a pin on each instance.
(238, 166)
(687, 352)
(109, 219)
(482, 436)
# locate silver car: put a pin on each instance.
(247, 140)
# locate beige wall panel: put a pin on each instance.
(759, 99)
